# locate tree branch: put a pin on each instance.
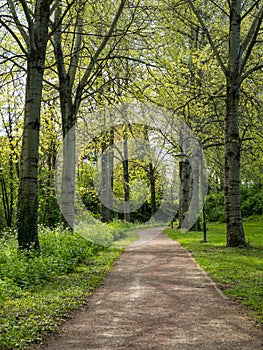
(17, 22)
(128, 58)
(98, 52)
(250, 9)
(57, 44)
(250, 71)
(27, 14)
(14, 36)
(208, 35)
(77, 47)
(62, 16)
(219, 7)
(250, 39)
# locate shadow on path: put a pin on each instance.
(157, 297)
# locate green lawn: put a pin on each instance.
(238, 271)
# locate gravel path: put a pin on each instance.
(157, 297)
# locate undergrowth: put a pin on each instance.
(39, 290)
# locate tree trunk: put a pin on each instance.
(71, 94)
(126, 178)
(12, 188)
(238, 58)
(107, 177)
(152, 188)
(67, 199)
(184, 173)
(5, 199)
(235, 232)
(28, 190)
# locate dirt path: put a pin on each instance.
(157, 297)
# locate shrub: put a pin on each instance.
(252, 200)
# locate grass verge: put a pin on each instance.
(38, 292)
(237, 271)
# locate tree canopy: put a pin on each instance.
(65, 64)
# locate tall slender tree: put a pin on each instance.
(74, 83)
(29, 28)
(236, 67)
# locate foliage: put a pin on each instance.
(251, 203)
(49, 213)
(238, 271)
(214, 205)
(157, 52)
(252, 199)
(141, 176)
(61, 253)
(37, 291)
(116, 233)
(10, 144)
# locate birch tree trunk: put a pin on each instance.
(27, 220)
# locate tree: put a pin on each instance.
(10, 147)
(49, 213)
(107, 159)
(29, 28)
(184, 198)
(72, 91)
(236, 68)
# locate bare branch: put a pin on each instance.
(57, 44)
(62, 16)
(54, 7)
(128, 58)
(14, 60)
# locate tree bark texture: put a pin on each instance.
(184, 173)
(126, 176)
(235, 232)
(67, 199)
(27, 223)
(192, 216)
(152, 188)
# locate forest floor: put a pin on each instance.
(157, 297)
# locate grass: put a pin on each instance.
(38, 292)
(237, 271)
